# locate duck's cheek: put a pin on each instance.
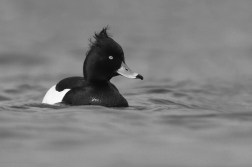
(111, 66)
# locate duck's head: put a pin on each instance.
(105, 59)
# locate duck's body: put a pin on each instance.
(104, 94)
(104, 60)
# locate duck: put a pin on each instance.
(104, 60)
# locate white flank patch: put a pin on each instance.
(52, 96)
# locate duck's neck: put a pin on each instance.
(97, 77)
(96, 82)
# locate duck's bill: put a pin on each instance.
(125, 71)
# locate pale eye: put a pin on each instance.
(110, 57)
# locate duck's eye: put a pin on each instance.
(110, 57)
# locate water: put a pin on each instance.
(167, 124)
(192, 109)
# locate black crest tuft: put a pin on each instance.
(102, 34)
(104, 41)
(99, 37)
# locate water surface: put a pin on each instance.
(166, 124)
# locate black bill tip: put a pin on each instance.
(139, 76)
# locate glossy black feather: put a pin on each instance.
(104, 95)
(70, 83)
